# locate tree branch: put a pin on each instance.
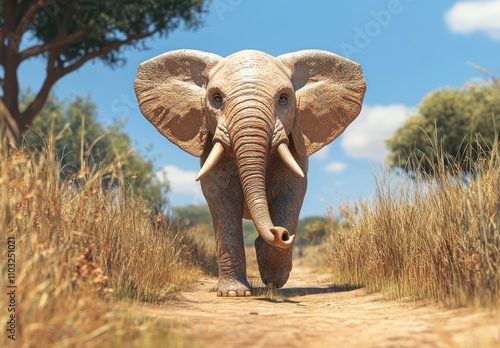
(37, 104)
(67, 14)
(53, 75)
(36, 50)
(102, 52)
(28, 17)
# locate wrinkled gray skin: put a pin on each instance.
(253, 119)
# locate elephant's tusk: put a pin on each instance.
(287, 157)
(211, 161)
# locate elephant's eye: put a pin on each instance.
(218, 98)
(283, 99)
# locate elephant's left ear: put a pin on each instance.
(329, 92)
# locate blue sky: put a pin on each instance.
(407, 49)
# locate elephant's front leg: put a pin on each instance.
(285, 193)
(222, 190)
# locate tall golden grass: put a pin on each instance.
(80, 249)
(427, 237)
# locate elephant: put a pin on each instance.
(253, 119)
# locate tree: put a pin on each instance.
(80, 143)
(316, 232)
(69, 33)
(192, 215)
(452, 126)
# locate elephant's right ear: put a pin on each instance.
(170, 89)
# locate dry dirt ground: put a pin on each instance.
(309, 312)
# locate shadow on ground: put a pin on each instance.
(280, 295)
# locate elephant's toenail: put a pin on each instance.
(248, 293)
(232, 293)
(219, 293)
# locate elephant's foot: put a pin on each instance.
(233, 288)
(275, 263)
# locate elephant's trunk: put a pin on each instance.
(250, 145)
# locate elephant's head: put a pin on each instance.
(251, 104)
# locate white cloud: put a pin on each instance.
(469, 16)
(365, 137)
(184, 188)
(336, 167)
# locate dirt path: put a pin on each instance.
(309, 313)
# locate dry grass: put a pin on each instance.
(81, 249)
(427, 237)
(201, 248)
